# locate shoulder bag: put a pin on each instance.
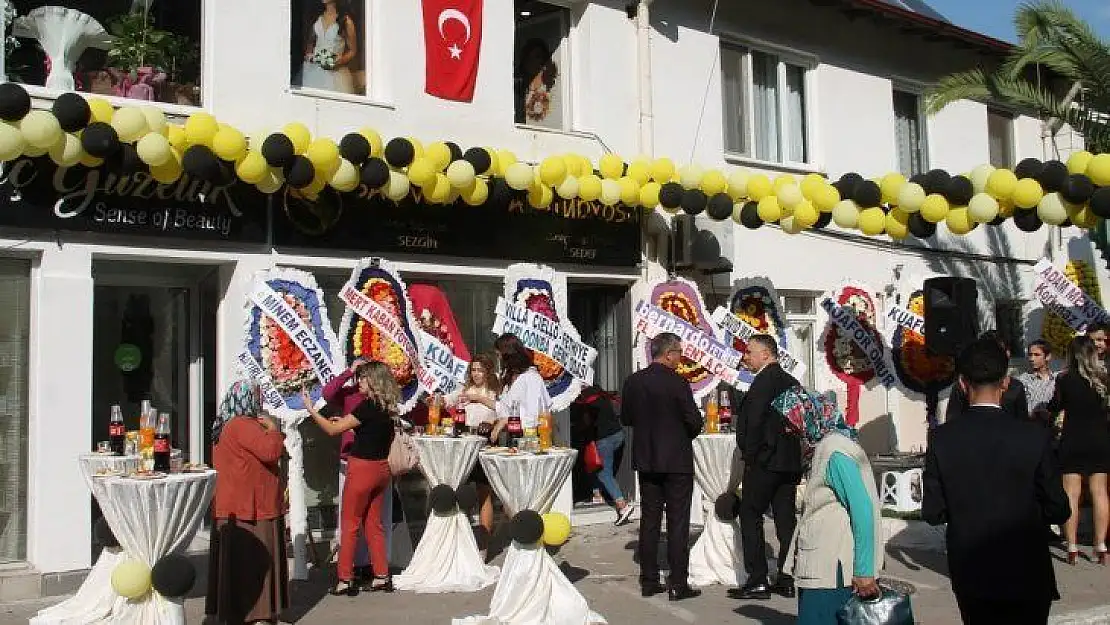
(403, 455)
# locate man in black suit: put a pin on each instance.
(994, 481)
(1014, 400)
(772, 469)
(659, 404)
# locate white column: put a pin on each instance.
(58, 500)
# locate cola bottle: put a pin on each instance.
(724, 411)
(117, 433)
(162, 444)
(458, 413)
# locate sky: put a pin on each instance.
(995, 17)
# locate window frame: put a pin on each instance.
(565, 60)
(811, 320)
(1016, 307)
(918, 92)
(808, 63)
(1011, 134)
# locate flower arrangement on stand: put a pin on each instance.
(756, 302)
(681, 298)
(918, 369)
(846, 360)
(1056, 331)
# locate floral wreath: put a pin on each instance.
(917, 368)
(681, 298)
(846, 360)
(1056, 331)
(755, 302)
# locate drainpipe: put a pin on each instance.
(643, 57)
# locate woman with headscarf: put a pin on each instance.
(837, 547)
(248, 578)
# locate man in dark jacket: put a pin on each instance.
(993, 479)
(1014, 400)
(659, 404)
(772, 469)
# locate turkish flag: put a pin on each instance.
(452, 47)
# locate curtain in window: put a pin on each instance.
(907, 119)
(765, 104)
(795, 138)
(732, 90)
(1000, 138)
(15, 301)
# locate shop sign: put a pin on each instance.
(568, 231)
(36, 193)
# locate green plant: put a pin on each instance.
(138, 43)
(1052, 40)
(183, 60)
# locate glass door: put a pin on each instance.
(15, 325)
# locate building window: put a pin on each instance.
(910, 133)
(801, 332)
(540, 63)
(146, 51)
(1000, 135)
(1008, 322)
(328, 46)
(15, 324)
(764, 106)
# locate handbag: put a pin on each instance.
(592, 458)
(403, 456)
(890, 608)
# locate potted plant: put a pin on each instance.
(138, 56)
(182, 85)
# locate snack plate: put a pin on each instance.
(153, 475)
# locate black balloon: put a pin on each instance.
(399, 152)
(1027, 220)
(1028, 168)
(920, 227)
(670, 195)
(847, 184)
(299, 173)
(173, 576)
(1100, 203)
(72, 111)
(100, 140)
(1077, 189)
(867, 194)
(998, 221)
(278, 150)
(1067, 223)
(823, 220)
(374, 174)
(1053, 176)
(201, 163)
(694, 201)
(15, 102)
(479, 158)
(456, 151)
(442, 499)
(749, 216)
(467, 497)
(526, 527)
(720, 206)
(919, 179)
(125, 160)
(959, 191)
(936, 181)
(355, 148)
(500, 193)
(726, 507)
(103, 534)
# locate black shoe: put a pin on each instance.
(344, 588)
(379, 584)
(751, 590)
(784, 586)
(651, 589)
(678, 593)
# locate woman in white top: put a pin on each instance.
(481, 386)
(525, 393)
(331, 46)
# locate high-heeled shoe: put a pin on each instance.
(1100, 556)
(380, 584)
(1073, 557)
(344, 587)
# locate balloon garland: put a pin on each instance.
(90, 132)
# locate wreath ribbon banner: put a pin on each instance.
(1057, 293)
(900, 317)
(703, 348)
(546, 336)
(736, 328)
(845, 319)
(448, 369)
(270, 395)
(388, 324)
(275, 307)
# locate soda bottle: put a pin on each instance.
(162, 444)
(514, 427)
(724, 411)
(117, 433)
(458, 413)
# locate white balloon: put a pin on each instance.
(982, 207)
(846, 214)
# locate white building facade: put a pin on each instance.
(782, 87)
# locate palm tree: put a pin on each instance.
(1054, 45)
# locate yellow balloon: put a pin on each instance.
(983, 208)
(67, 152)
(897, 224)
(1051, 209)
(324, 155)
(826, 198)
(1027, 193)
(178, 139)
(476, 195)
(610, 192)
(520, 176)
(759, 187)
(846, 214)
(1079, 161)
(398, 186)
(738, 185)
(346, 177)
(662, 170)
(805, 214)
(553, 170)
(784, 181)
(911, 197)
(640, 171)
(959, 221)
(1085, 218)
(935, 208)
(422, 173)
(270, 184)
(41, 130)
(101, 110)
(1098, 170)
(154, 149)
(568, 188)
(979, 177)
(155, 119)
(589, 187)
(505, 159)
(440, 191)
(891, 186)
(89, 161)
(572, 164)
(630, 191)
(789, 225)
(649, 194)
(299, 134)
(611, 166)
(556, 529)
(872, 221)
(11, 142)
(690, 176)
(1005, 208)
(200, 128)
(541, 196)
(811, 185)
(1001, 183)
(230, 145)
(130, 124)
(714, 182)
(460, 174)
(170, 171)
(768, 209)
(131, 579)
(253, 169)
(789, 196)
(439, 154)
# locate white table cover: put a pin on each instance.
(447, 558)
(716, 556)
(532, 590)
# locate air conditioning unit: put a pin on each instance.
(683, 230)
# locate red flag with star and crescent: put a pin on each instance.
(452, 46)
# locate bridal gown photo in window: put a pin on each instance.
(328, 45)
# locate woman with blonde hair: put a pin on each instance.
(368, 475)
(1083, 395)
(481, 385)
